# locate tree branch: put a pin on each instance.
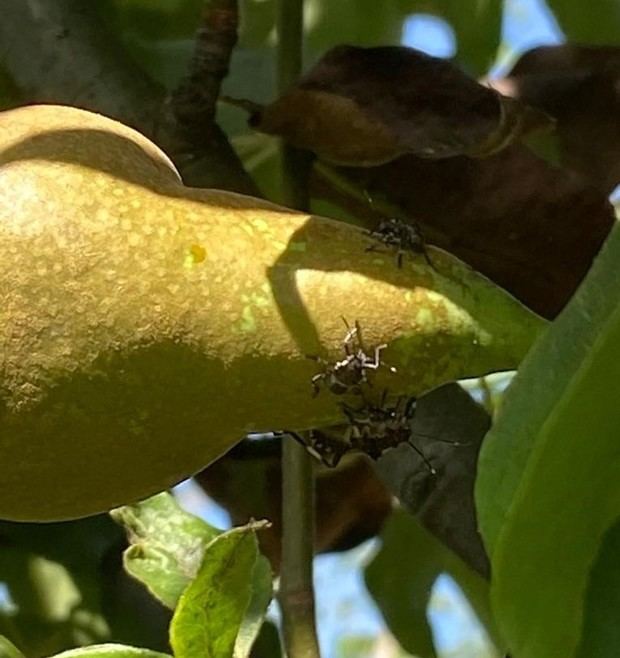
(194, 100)
(189, 133)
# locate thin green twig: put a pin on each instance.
(296, 596)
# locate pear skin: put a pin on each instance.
(146, 327)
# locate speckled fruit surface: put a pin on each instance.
(145, 327)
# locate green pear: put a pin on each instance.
(147, 327)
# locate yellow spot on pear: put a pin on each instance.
(195, 254)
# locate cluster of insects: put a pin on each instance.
(374, 429)
(370, 428)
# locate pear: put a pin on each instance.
(147, 327)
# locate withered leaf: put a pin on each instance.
(448, 428)
(531, 228)
(580, 87)
(367, 106)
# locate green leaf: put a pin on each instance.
(583, 24)
(55, 579)
(8, 649)
(354, 21)
(39, 586)
(167, 545)
(601, 633)
(401, 577)
(111, 651)
(154, 19)
(358, 646)
(212, 609)
(67, 588)
(549, 476)
(260, 597)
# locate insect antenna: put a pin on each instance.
(417, 450)
(431, 437)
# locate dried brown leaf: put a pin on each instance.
(580, 87)
(367, 106)
(530, 227)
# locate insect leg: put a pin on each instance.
(316, 389)
(373, 365)
(294, 435)
(427, 258)
(352, 333)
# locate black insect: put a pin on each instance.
(370, 429)
(401, 237)
(328, 446)
(348, 374)
(375, 429)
